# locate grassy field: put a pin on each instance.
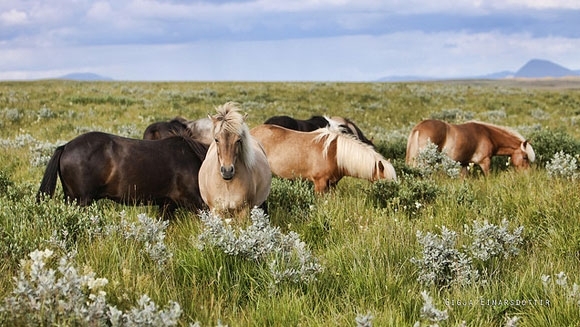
(481, 251)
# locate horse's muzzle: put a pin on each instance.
(227, 172)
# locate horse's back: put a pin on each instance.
(307, 125)
(291, 154)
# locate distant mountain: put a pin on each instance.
(535, 68)
(85, 77)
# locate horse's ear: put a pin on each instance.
(524, 145)
(381, 167)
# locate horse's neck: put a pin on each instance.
(504, 141)
(354, 158)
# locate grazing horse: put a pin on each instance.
(199, 130)
(344, 125)
(235, 175)
(471, 142)
(97, 165)
(322, 156)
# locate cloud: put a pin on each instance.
(13, 17)
(283, 40)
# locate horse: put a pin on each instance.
(304, 125)
(345, 125)
(471, 142)
(98, 165)
(322, 156)
(199, 130)
(235, 175)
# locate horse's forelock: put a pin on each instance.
(229, 119)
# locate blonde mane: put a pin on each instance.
(352, 155)
(230, 120)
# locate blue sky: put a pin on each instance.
(294, 40)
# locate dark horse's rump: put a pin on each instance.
(308, 125)
(346, 126)
(161, 130)
(99, 165)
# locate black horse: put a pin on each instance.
(345, 125)
(164, 129)
(308, 125)
(97, 165)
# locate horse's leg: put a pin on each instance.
(320, 185)
(485, 165)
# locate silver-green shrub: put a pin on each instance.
(489, 240)
(148, 231)
(563, 165)
(288, 257)
(430, 313)
(430, 161)
(442, 264)
(45, 295)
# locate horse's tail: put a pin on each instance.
(48, 183)
(412, 148)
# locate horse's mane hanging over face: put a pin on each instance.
(229, 120)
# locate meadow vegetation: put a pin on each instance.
(430, 249)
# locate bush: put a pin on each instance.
(409, 196)
(293, 196)
(547, 143)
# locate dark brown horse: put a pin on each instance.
(341, 124)
(471, 142)
(97, 165)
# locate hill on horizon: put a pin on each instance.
(535, 68)
(85, 77)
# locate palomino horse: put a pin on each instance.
(97, 165)
(323, 156)
(345, 125)
(199, 130)
(235, 175)
(471, 142)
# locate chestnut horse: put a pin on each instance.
(97, 165)
(345, 125)
(323, 156)
(235, 175)
(199, 130)
(471, 142)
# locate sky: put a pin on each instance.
(293, 40)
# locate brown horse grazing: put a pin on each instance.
(235, 175)
(98, 165)
(323, 156)
(471, 142)
(199, 130)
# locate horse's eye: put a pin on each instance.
(216, 141)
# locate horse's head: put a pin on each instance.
(230, 135)
(522, 156)
(384, 170)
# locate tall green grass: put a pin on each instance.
(364, 235)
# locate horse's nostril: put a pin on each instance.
(227, 172)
